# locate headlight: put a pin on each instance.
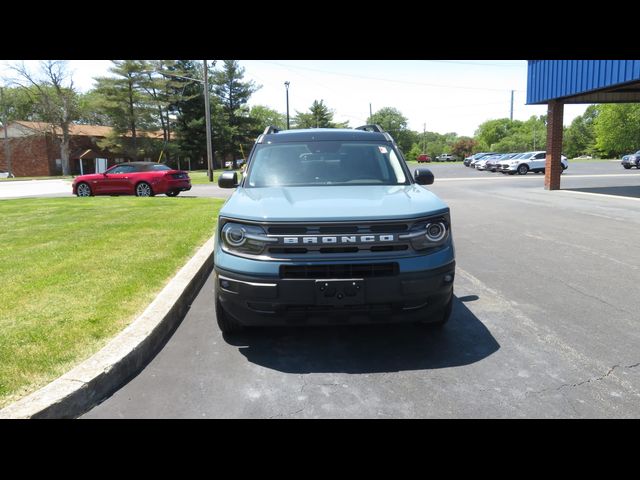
(429, 234)
(241, 238)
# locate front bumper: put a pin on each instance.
(408, 296)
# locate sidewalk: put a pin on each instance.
(34, 188)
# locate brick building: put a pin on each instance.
(35, 151)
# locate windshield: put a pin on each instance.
(324, 163)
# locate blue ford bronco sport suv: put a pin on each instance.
(329, 226)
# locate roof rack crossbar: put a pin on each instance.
(371, 128)
(270, 129)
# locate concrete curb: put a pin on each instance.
(80, 389)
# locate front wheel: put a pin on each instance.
(83, 190)
(226, 323)
(173, 193)
(628, 167)
(143, 189)
(523, 169)
(444, 316)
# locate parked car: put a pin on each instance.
(424, 158)
(330, 226)
(143, 179)
(481, 157)
(481, 163)
(446, 157)
(528, 162)
(467, 161)
(492, 163)
(5, 174)
(239, 163)
(631, 160)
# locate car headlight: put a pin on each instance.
(242, 238)
(429, 234)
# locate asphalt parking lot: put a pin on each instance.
(545, 324)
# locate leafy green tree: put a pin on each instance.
(617, 128)
(233, 94)
(580, 137)
(56, 100)
(414, 152)
(464, 147)
(392, 121)
(17, 103)
(492, 131)
(265, 116)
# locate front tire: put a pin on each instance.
(83, 190)
(225, 322)
(523, 169)
(627, 167)
(143, 189)
(444, 318)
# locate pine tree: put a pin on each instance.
(233, 95)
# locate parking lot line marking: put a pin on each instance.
(621, 197)
(539, 177)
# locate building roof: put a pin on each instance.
(583, 81)
(82, 130)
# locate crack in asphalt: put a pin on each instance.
(578, 384)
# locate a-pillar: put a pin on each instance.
(553, 166)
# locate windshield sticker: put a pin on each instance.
(383, 149)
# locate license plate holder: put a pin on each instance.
(340, 292)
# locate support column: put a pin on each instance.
(553, 166)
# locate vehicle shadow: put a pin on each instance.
(622, 191)
(369, 348)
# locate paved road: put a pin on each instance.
(35, 188)
(545, 324)
(604, 174)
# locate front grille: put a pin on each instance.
(339, 271)
(338, 229)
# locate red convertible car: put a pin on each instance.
(143, 179)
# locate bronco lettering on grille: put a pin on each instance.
(338, 239)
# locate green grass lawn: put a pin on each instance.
(75, 271)
(200, 177)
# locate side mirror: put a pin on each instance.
(228, 180)
(423, 176)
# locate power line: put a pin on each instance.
(408, 82)
(511, 65)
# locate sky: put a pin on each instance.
(446, 95)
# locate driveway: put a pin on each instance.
(545, 325)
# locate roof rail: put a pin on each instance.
(270, 129)
(371, 128)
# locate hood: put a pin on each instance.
(88, 177)
(332, 203)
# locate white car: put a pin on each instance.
(4, 174)
(528, 162)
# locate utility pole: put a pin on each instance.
(424, 138)
(207, 110)
(370, 113)
(511, 116)
(286, 85)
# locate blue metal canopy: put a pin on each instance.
(583, 81)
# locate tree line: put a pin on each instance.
(166, 97)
